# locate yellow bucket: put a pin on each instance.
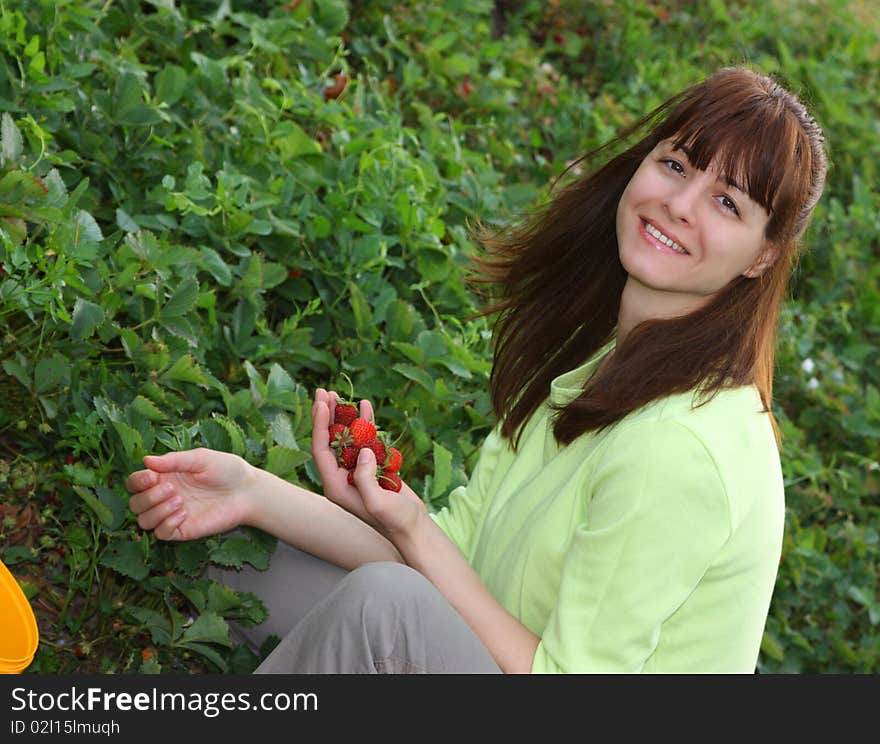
(18, 627)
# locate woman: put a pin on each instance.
(626, 513)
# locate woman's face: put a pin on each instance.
(683, 234)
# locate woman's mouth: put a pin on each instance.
(661, 241)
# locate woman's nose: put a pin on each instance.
(681, 203)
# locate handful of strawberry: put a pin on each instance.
(349, 434)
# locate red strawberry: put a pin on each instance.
(378, 450)
(344, 414)
(390, 481)
(337, 432)
(349, 456)
(395, 460)
(362, 431)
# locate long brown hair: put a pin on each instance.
(557, 277)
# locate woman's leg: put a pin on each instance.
(290, 587)
(381, 618)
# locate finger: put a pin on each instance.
(320, 423)
(321, 395)
(325, 459)
(367, 410)
(186, 461)
(365, 470)
(332, 400)
(140, 480)
(169, 529)
(145, 500)
(151, 518)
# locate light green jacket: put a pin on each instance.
(652, 547)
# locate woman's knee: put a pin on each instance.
(386, 580)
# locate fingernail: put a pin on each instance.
(364, 455)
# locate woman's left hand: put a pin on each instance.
(397, 513)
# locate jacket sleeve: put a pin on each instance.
(657, 516)
(467, 503)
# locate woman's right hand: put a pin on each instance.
(334, 477)
(191, 493)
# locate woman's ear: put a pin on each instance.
(766, 258)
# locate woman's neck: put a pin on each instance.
(639, 303)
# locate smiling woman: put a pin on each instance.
(626, 513)
(729, 171)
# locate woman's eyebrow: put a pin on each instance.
(729, 180)
(732, 183)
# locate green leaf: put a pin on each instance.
(220, 598)
(183, 328)
(416, 375)
(17, 370)
(132, 442)
(453, 365)
(771, 647)
(332, 15)
(293, 142)
(217, 267)
(234, 551)
(208, 653)
(128, 106)
(236, 435)
(282, 461)
(51, 373)
(171, 84)
(19, 184)
(281, 389)
(158, 625)
(361, 310)
(433, 265)
(182, 300)
(146, 408)
(208, 627)
(87, 227)
(191, 556)
(102, 511)
(11, 143)
(273, 275)
(258, 386)
(442, 470)
(87, 316)
(410, 351)
(281, 430)
(125, 222)
(185, 369)
(399, 320)
(321, 225)
(116, 502)
(14, 554)
(127, 558)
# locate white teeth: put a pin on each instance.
(651, 230)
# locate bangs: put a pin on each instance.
(748, 134)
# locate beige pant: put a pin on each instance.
(381, 618)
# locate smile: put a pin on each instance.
(664, 239)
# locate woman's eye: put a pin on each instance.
(673, 165)
(729, 204)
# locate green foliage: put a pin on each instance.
(208, 211)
